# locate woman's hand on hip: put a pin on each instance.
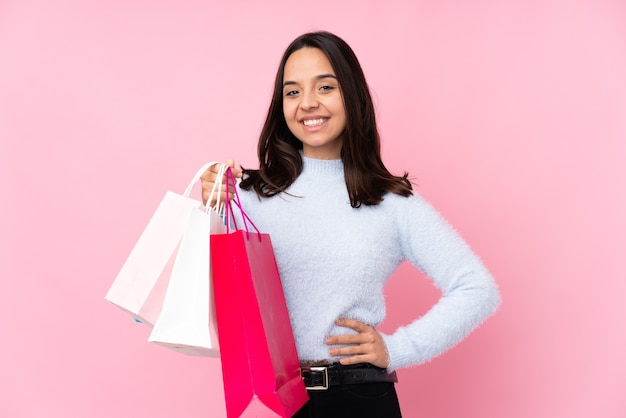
(208, 180)
(365, 347)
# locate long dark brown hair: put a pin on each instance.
(280, 162)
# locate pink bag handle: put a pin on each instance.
(236, 201)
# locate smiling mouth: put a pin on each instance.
(314, 122)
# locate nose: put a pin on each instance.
(309, 101)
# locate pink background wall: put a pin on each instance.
(511, 116)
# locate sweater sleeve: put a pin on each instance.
(469, 293)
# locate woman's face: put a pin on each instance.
(313, 104)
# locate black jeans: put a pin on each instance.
(362, 400)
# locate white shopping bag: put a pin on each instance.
(187, 322)
(140, 286)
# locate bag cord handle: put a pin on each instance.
(230, 180)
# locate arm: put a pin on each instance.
(469, 293)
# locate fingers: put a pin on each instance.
(358, 326)
(208, 179)
(231, 163)
(211, 173)
(356, 359)
(365, 347)
(364, 338)
(206, 195)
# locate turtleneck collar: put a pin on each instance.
(326, 168)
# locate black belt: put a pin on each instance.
(323, 377)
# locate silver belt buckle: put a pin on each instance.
(323, 370)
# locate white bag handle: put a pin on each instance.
(217, 186)
(199, 174)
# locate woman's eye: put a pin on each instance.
(327, 88)
(291, 93)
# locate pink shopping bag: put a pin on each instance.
(260, 366)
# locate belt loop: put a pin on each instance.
(342, 381)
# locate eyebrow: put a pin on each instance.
(319, 77)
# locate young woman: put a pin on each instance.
(340, 224)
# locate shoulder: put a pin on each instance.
(413, 202)
(414, 214)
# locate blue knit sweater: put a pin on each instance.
(334, 261)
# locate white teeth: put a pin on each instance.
(313, 122)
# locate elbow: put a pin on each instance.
(485, 298)
(492, 299)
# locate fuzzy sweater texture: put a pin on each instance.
(334, 261)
